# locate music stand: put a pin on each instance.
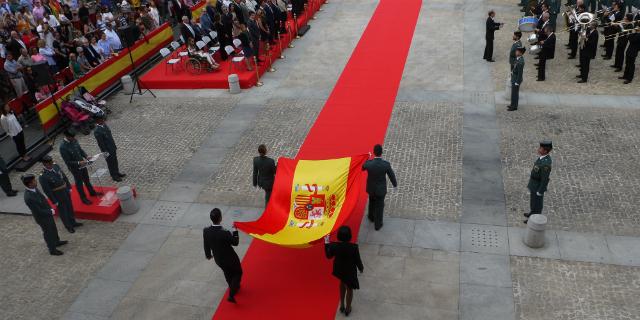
(90, 165)
(129, 36)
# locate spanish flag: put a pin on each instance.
(310, 199)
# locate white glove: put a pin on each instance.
(53, 212)
(516, 84)
(326, 239)
(539, 194)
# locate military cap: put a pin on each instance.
(46, 159)
(546, 144)
(69, 133)
(517, 33)
(100, 116)
(27, 177)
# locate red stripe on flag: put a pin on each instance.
(284, 283)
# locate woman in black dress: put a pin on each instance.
(347, 260)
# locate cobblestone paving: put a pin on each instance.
(561, 72)
(553, 289)
(155, 138)
(424, 146)
(282, 127)
(35, 285)
(596, 171)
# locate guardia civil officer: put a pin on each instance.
(218, 244)
(76, 160)
(516, 79)
(42, 213)
(517, 35)
(539, 178)
(264, 172)
(106, 144)
(56, 186)
(378, 170)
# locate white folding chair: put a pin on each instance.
(237, 43)
(206, 40)
(234, 59)
(175, 45)
(200, 44)
(213, 35)
(165, 52)
(182, 40)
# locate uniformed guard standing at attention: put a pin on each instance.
(56, 186)
(517, 35)
(42, 213)
(539, 178)
(107, 144)
(5, 182)
(378, 170)
(264, 172)
(76, 160)
(516, 79)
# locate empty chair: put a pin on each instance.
(234, 59)
(164, 52)
(206, 39)
(237, 43)
(200, 44)
(175, 45)
(213, 35)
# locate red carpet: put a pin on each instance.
(163, 76)
(103, 208)
(281, 283)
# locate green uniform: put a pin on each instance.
(107, 144)
(72, 154)
(43, 214)
(56, 186)
(554, 9)
(516, 81)
(512, 52)
(538, 182)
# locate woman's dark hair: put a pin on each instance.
(344, 234)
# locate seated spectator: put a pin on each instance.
(113, 38)
(36, 57)
(82, 60)
(61, 50)
(187, 30)
(75, 66)
(25, 59)
(96, 48)
(66, 10)
(15, 44)
(14, 70)
(93, 57)
(194, 51)
(30, 81)
(106, 50)
(106, 14)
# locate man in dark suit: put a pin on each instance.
(621, 43)
(491, 27)
(610, 30)
(588, 52)
(42, 213)
(241, 11)
(630, 57)
(219, 243)
(76, 160)
(179, 10)
(516, 79)
(264, 172)
(106, 144)
(15, 44)
(539, 178)
(5, 182)
(378, 170)
(56, 186)
(547, 52)
(187, 30)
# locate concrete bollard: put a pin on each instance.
(234, 83)
(534, 235)
(507, 90)
(127, 84)
(128, 202)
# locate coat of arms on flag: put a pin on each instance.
(310, 199)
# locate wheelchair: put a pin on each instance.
(197, 64)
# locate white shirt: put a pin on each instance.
(541, 157)
(10, 124)
(113, 39)
(190, 29)
(32, 190)
(53, 22)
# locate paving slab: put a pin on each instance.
(484, 238)
(146, 238)
(551, 249)
(166, 213)
(486, 303)
(583, 247)
(437, 235)
(125, 265)
(624, 250)
(181, 192)
(100, 297)
(395, 231)
(485, 269)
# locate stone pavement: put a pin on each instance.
(451, 244)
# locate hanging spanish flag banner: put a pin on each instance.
(310, 199)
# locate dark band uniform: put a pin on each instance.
(218, 243)
(107, 144)
(378, 170)
(72, 154)
(547, 53)
(621, 47)
(539, 180)
(609, 31)
(56, 186)
(631, 55)
(43, 214)
(588, 53)
(264, 174)
(5, 182)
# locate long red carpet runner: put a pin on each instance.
(283, 283)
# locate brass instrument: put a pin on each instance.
(621, 33)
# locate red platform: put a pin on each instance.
(104, 208)
(163, 76)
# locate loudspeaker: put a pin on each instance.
(42, 75)
(129, 35)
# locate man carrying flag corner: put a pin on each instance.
(378, 170)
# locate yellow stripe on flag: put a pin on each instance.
(317, 194)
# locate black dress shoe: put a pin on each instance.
(78, 224)
(627, 81)
(490, 60)
(71, 230)
(347, 312)
(56, 252)
(614, 66)
(526, 215)
(577, 66)
(539, 79)
(579, 76)
(86, 201)
(582, 81)
(231, 299)
(341, 309)
(122, 175)
(535, 64)
(617, 70)
(571, 57)
(525, 222)
(512, 109)
(621, 78)
(61, 243)
(116, 179)
(606, 58)
(378, 228)
(12, 194)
